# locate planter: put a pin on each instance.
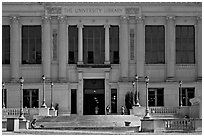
(127, 123)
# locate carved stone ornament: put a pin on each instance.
(170, 18)
(140, 19)
(46, 19)
(14, 19)
(54, 10)
(62, 19)
(124, 19)
(132, 10)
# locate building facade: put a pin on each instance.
(92, 52)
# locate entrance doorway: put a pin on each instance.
(94, 97)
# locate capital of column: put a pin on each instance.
(46, 19)
(80, 26)
(62, 19)
(140, 19)
(14, 19)
(124, 19)
(170, 18)
(199, 19)
(107, 26)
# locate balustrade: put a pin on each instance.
(180, 124)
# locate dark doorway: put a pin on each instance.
(94, 97)
(73, 101)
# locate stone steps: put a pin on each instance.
(89, 121)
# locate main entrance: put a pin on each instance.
(94, 97)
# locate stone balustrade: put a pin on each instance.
(163, 110)
(180, 124)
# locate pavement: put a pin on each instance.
(88, 132)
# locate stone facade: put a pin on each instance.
(129, 16)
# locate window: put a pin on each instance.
(156, 97)
(73, 44)
(54, 48)
(4, 97)
(31, 44)
(114, 44)
(73, 101)
(94, 44)
(30, 98)
(5, 44)
(154, 44)
(187, 94)
(185, 44)
(113, 100)
(132, 44)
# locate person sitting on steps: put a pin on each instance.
(34, 124)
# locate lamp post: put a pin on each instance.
(51, 105)
(21, 117)
(133, 85)
(137, 92)
(43, 103)
(181, 103)
(3, 87)
(147, 116)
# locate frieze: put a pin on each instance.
(92, 10)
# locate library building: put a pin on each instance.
(76, 56)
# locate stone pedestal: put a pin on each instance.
(53, 112)
(152, 125)
(24, 124)
(137, 111)
(12, 124)
(43, 111)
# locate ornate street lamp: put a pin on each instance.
(3, 87)
(51, 105)
(133, 85)
(43, 103)
(147, 116)
(180, 84)
(21, 117)
(137, 92)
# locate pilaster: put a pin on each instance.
(170, 48)
(107, 44)
(140, 46)
(15, 48)
(123, 46)
(46, 53)
(62, 48)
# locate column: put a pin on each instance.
(80, 43)
(140, 47)
(107, 44)
(124, 47)
(46, 51)
(62, 48)
(199, 47)
(170, 48)
(15, 48)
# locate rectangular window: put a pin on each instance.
(185, 44)
(187, 94)
(94, 44)
(132, 44)
(156, 96)
(54, 48)
(31, 44)
(5, 44)
(73, 44)
(113, 100)
(73, 101)
(4, 97)
(30, 98)
(154, 44)
(114, 44)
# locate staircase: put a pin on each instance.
(89, 121)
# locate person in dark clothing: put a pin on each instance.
(34, 124)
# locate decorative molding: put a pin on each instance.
(46, 19)
(53, 10)
(124, 19)
(106, 25)
(14, 19)
(62, 19)
(199, 19)
(80, 26)
(132, 10)
(170, 18)
(140, 19)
